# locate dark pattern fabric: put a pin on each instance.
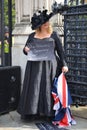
(38, 82)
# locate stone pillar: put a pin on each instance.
(24, 11)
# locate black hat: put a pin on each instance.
(40, 18)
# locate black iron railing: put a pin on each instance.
(3, 60)
(75, 44)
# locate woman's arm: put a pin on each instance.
(60, 52)
(26, 48)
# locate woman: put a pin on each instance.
(41, 68)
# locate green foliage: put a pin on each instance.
(6, 15)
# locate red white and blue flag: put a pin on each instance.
(62, 102)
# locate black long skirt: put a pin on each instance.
(36, 95)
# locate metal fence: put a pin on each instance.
(75, 44)
(0, 20)
(3, 59)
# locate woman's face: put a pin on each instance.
(45, 25)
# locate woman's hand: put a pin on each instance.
(26, 49)
(64, 69)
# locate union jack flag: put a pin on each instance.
(62, 102)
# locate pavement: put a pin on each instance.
(12, 120)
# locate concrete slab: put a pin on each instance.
(12, 121)
(80, 111)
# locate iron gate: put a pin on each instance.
(75, 44)
(2, 30)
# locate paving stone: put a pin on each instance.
(12, 121)
(80, 111)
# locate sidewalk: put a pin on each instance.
(12, 121)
